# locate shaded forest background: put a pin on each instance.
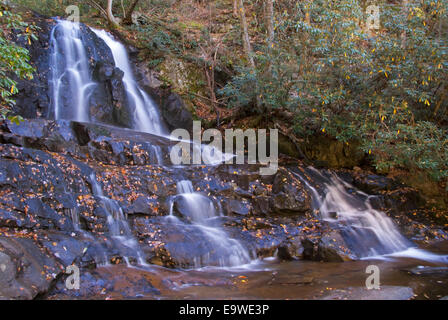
(312, 69)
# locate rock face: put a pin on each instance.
(33, 99)
(175, 114)
(290, 196)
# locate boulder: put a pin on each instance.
(330, 246)
(26, 270)
(289, 194)
(176, 114)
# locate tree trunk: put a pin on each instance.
(128, 16)
(246, 40)
(270, 22)
(99, 8)
(235, 8)
(110, 15)
(248, 48)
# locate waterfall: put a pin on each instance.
(119, 229)
(146, 117)
(201, 211)
(71, 82)
(367, 232)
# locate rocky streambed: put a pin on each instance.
(51, 217)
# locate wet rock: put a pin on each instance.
(56, 136)
(330, 246)
(25, 269)
(403, 199)
(116, 282)
(289, 194)
(428, 271)
(175, 245)
(333, 248)
(100, 142)
(47, 216)
(33, 100)
(290, 250)
(242, 207)
(65, 248)
(14, 219)
(142, 205)
(109, 97)
(373, 184)
(261, 205)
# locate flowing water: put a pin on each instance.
(367, 232)
(119, 229)
(201, 212)
(146, 116)
(70, 72)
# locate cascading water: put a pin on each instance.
(70, 73)
(368, 232)
(71, 83)
(118, 226)
(74, 215)
(200, 211)
(146, 117)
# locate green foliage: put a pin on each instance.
(419, 146)
(385, 88)
(51, 8)
(14, 59)
(158, 40)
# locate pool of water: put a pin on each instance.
(401, 277)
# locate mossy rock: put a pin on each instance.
(430, 190)
(332, 153)
(186, 78)
(287, 147)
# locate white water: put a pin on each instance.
(118, 226)
(367, 231)
(71, 85)
(370, 233)
(200, 210)
(362, 222)
(70, 72)
(412, 253)
(74, 215)
(146, 116)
